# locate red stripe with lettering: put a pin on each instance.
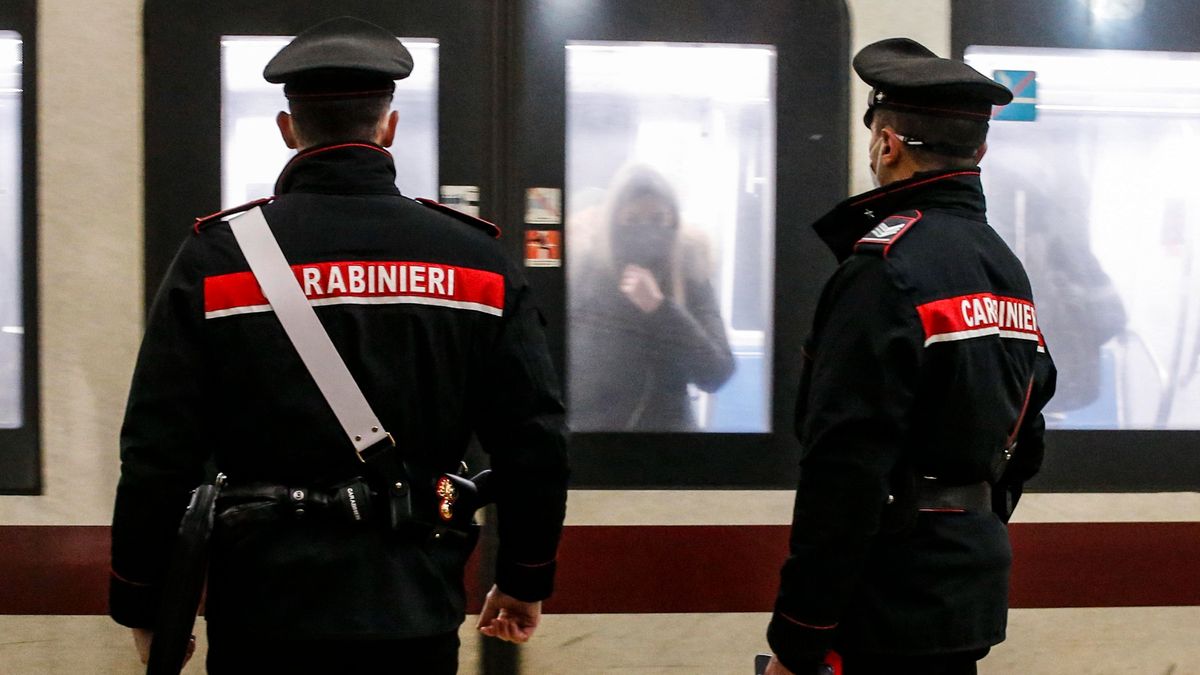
(364, 279)
(977, 314)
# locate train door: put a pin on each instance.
(20, 471)
(726, 122)
(665, 161)
(1088, 178)
(530, 113)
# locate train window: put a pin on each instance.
(670, 178)
(252, 153)
(1094, 191)
(12, 323)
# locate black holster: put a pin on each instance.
(443, 504)
(391, 478)
(184, 583)
(459, 497)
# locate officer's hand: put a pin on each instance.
(508, 618)
(143, 637)
(639, 285)
(776, 668)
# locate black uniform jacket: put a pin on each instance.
(925, 360)
(440, 332)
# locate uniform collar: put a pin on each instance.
(341, 168)
(956, 190)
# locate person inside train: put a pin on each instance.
(643, 317)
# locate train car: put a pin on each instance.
(122, 121)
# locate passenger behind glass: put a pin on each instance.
(1079, 307)
(643, 321)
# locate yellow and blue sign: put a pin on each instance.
(1023, 84)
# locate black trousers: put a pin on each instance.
(963, 663)
(436, 655)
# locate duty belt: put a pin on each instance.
(932, 495)
(350, 502)
(446, 506)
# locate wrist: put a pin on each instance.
(526, 582)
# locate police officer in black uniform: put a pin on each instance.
(920, 403)
(440, 332)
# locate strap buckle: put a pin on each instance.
(372, 451)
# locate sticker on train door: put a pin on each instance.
(461, 198)
(543, 248)
(1023, 84)
(543, 206)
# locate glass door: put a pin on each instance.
(670, 158)
(1088, 179)
(1108, 229)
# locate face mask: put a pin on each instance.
(875, 159)
(647, 246)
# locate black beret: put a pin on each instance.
(906, 76)
(340, 58)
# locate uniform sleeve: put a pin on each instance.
(866, 348)
(523, 430)
(696, 335)
(162, 454)
(1030, 441)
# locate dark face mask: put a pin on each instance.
(647, 246)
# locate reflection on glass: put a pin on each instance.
(670, 235)
(1097, 196)
(252, 153)
(11, 293)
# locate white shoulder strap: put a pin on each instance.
(304, 329)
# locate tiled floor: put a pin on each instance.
(1147, 641)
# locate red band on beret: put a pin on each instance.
(952, 112)
(340, 94)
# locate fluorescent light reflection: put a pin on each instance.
(1115, 10)
(10, 62)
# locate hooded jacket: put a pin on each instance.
(629, 369)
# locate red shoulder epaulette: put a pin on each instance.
(201, 223)
(886, 233)
(491, 229)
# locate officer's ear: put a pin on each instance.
(388, 132)
(891, 147)
(287, 130)
(981, 152)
